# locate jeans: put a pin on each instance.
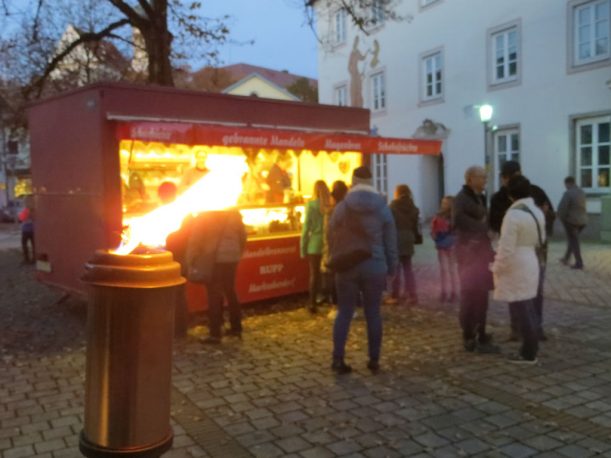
(527, 325)
(409, 281)
(475, 283)
(369, 281)
(222, 285)
(315, 277)
(448, 272)
(537, 309)
(572, 243)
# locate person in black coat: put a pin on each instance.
(406, 215)
(499, 204)
(473, 255)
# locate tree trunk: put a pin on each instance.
(158, 45)
(158, 42)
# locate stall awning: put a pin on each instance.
(204, 134)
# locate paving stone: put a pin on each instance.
(596, 446)
(320, 437)
(267, 449)
(316, 452)
(431, 440)
(344, 447)
(542, 442)
(517, 450)
(293, 444)
(19, 452)
(573, 451)
(472, 446)
(49, 446)
(381, 452)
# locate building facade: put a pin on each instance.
(544, 66)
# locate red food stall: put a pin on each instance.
(102, 155)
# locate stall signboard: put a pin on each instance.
(270, 267)
(188, 133)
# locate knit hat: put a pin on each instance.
(510, 168)
(362, 175)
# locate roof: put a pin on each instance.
(244, 80)
(280, 78)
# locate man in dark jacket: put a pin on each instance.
(574, 216)
(499, 204)
(473, 255)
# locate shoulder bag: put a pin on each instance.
(349, 243)
(541, 248)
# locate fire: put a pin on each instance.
(220, 188)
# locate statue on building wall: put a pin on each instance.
(431, 130)
(356, 75)
(356, 78)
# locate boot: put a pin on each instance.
(340, 367)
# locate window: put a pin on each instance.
(377, 12)
(506, 148)
(380, 173)
(593, 153)
(505, 55)
(378, 87)
(341, 96)
(339, 26)
(591, 27)
(432, 76)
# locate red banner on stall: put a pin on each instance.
(272, 138)
(270, 267)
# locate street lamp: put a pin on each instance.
(485, 115)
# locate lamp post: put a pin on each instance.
(485, 115)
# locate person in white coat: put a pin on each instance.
(516, 265)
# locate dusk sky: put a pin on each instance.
(283, 40)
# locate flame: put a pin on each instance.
(220, 188)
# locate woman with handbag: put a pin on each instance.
(516, 264)
(406, 216)
(442, 234)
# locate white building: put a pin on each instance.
(544, 65)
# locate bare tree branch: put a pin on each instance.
(58, 58)
(128, 12)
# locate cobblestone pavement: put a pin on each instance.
(272, 394)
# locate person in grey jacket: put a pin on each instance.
(365, 207)
(222, 235)
(574, 217)
(473, 255)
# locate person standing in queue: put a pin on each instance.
(215, 247)
(499, 204)
(442, 233)
(312, 238)
(339, 190)
(405, 214)
(473, 255)
(516, 264)
(363, 214)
